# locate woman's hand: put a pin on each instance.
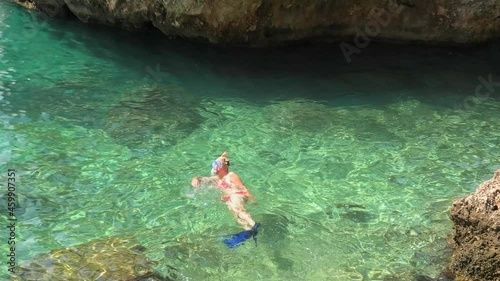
(195, 182)
(251, 198)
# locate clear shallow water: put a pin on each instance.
(354, 166)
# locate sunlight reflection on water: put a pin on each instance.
(354, 167)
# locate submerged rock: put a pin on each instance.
(446, 275)
(192, 253)
(300, 117)
(358, 216)
(113, 259)
(264, 22)
(476, 233)
(353, 212)
(153, 118)
(275, 228)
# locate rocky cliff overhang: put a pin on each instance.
(268, 22)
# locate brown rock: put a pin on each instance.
(114, 259)
(265, 22)
(476, 234)
(27, 4)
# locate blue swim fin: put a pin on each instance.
(237, 239)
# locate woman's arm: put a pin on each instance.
(239, 184)
(197, 181)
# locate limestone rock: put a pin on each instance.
(113, 259)
(476, 236)
(265, 22)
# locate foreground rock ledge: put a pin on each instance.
(476, 235)
(266, 22)
(113, 259)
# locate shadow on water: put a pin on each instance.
(430, 74)
(153, 119)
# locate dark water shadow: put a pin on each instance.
(379, 75)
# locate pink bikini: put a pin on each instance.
(225, 185)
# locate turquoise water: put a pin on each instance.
(354, 166)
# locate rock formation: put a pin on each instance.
(265, 22)
(112, 259)
(476, 236)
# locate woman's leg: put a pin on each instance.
(245, 216)
(241, 214)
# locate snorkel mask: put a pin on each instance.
(216, 165)
(219, 162)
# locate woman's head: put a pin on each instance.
(220, 164)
